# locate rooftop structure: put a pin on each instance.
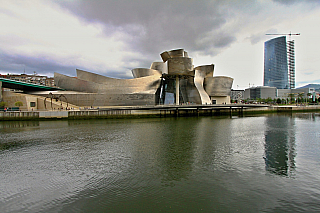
(172, 81)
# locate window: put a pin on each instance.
(32, 104)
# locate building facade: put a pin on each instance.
(33, 79)
(263, 92)
(175, 80)
(260, 92)
(276, 63)
(237, 95)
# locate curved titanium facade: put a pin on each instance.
(160, 66)
(180, 66)
(208, 69)
(175, 80)
(218, 86)
(143, 72)
(93, 83)
(198, 82)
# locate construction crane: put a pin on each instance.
(289, 34)
(291, 60)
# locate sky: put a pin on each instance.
(112, 37)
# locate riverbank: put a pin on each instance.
(156, 111)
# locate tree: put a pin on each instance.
(291, 96)
(269, 100)
(3, 104)
(278, 101)
(309, 98)
(18, 104)
(300, 95)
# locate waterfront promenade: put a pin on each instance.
(155, 111)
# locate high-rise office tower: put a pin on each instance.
(276, 63)
(291, 64)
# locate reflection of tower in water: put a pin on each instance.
(280, 145)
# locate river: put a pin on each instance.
(268, 163)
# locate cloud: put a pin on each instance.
(207, 27)
(34, 31)
(290, 2)
(29, 65)
(287, 2)
(155, 26)
(112, 37)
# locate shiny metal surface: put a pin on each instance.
(165, 56)
(218, 86)
(208, 69)
(180, 66)
(161, 66)
(143, 72)
(196, 85)
(198, 82)
(176, 53)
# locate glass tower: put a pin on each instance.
(275, 63)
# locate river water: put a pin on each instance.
(210, 164)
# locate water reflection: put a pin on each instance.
(18, 124)
(204, 164)
(178, 150)
(169, 147)
(280, 145)
(307, 116)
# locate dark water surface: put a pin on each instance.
(209, 164)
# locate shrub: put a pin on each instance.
(3, 104)
(18, 104)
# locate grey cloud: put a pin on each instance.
(291, 2)
(44, 66)
(19, 63)
(255, 38)
(155, 26)
(287, 2)
(149, 27)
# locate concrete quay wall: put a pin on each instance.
(150, 112)
(11, 116)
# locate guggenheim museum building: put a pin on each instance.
(174, 80)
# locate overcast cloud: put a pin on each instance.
(114, 36)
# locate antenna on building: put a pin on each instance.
(290, 34)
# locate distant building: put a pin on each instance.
(276, 63)
(264, 92)
(237, 94)
(285, 93)
(260, 92)
(33, 79)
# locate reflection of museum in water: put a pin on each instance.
(172, 81)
